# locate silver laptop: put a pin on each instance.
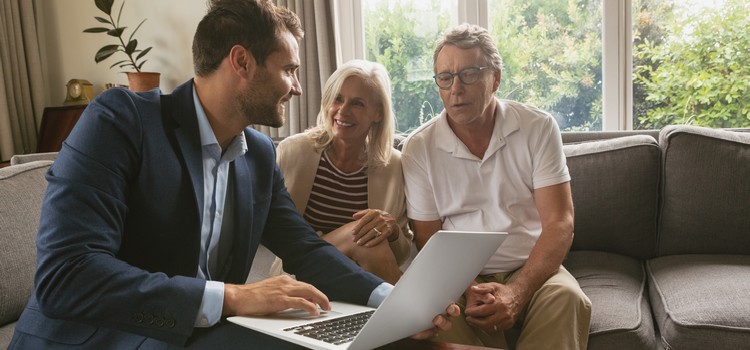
(437, 277)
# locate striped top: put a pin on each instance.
(335, 196)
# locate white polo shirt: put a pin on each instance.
(445, 181)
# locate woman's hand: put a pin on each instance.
(373, 226)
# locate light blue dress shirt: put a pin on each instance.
(215, 178)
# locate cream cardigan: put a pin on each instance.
(299, 160)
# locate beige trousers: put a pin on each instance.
(557, 317)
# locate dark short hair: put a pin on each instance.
(254, 24)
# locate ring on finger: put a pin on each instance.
(494, 326)
(377, 232)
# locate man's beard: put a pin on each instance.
(261, 106)
(262, 113)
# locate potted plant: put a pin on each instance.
(135, 57)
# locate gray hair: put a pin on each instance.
(469, 36)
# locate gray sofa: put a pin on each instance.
(22, 188)
(662, 236)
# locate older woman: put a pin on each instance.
(344, 174)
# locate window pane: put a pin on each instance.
(552, 57)
(691, 63)
(401, 35)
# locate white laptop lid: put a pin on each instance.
(438, 276)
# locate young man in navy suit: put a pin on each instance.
(157, 203)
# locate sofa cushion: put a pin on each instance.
(21, 193)
(6, 334)
(616, 285)
(615, 185)
(706, 193)
(701, 301)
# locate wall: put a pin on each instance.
(69, 53)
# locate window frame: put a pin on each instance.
(617, 57)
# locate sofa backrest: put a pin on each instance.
(32, 157)
(615, 186)
(21, 193)
(586, 136)
(706, 193)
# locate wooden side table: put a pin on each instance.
(57, 122)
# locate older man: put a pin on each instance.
(488, 164)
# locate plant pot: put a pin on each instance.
(143, 81)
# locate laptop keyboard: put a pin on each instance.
(335, 331)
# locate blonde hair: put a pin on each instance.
(379, 141)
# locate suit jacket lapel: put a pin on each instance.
(243, 223)
(179, 106)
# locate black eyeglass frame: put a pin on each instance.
(460, 76)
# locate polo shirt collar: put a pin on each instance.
(506, 122)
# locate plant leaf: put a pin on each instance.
(136, 29)
(96, 30)
(102, 20)
(105, 52)
(104, 5)
(117, 32)
(143, 53)
(131, 47)
(120, 12)
(118, 62)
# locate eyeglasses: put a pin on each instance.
(468, 75)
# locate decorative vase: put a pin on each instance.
(143, 81)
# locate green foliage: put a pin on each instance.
(395, 39)
(700, 75)
(129, 47)
(649, 23)
(552, 57)
(693, 69)
(551, 52)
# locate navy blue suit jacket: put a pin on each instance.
(119, 237)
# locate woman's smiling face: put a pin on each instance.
(354, 110)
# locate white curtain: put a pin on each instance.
(318, 61)
(21, 78)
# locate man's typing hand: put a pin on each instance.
(272, 295)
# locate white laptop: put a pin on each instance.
(437, 277)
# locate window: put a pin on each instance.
(552, 57)
(691, 63)
(593, 64)
(401, 35)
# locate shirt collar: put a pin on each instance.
(236, 148)
(506, 122)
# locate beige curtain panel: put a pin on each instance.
(318, 60)
(21, 79)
